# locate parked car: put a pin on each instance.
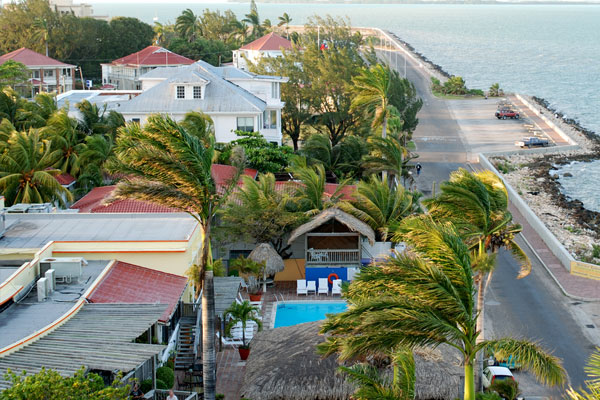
(532, 142)
(504, 113)
(492, 374)
(510, 362)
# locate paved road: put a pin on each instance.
(532, 307)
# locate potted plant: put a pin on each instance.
(241, 313)
(253, 271)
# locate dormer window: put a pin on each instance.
(181, 92)
(197, 92)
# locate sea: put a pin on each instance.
(548, 51)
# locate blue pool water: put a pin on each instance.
(297, 313)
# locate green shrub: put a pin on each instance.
(506, 388)
(166, 375)
(487, 396)
(476, 92)
(171, 363)
(160, 384)
(596, 251)
(146, 385)
(219, 396)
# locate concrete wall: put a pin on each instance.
(548, 237)
(536, 111)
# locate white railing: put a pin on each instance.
(331, 256)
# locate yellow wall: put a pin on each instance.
(585, 270)
(294, 269)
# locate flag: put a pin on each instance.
(324, 46)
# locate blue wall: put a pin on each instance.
(313, 274)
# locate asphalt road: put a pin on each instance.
(532, 307)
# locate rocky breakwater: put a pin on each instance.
(535, 178)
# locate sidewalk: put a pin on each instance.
(573, 286)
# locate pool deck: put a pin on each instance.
(230, 369)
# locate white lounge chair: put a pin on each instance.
(323, 286)
(230, 341)
(301, 287)
(311, 286)
(336, 287)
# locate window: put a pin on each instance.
(136, 120)
(181, 92)
(270, 119)
(66, 71)
(36, 74)
(48, 72)
(197, 92)
(275, 90)
(245, 124)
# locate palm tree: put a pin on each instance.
(65, 137)
(372, 94)
(477, 204)
(388, 156)
(97, 156)
(382, 206)
(241, 313)
(593, 384)
(253, 20)
(41, 31)
(170, 163)
(425, 298)
(159, 32)
(187, 25)
(310, 193)
(285, 19)
(95, 120)
(343, 159)
(26, 170)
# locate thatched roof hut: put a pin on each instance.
(265, 253)
(353, 223)
(283, 365)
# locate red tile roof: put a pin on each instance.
(289, 187)
(268, 42)
(132, 284)
(222, 173)
(65, 179)
(96, 202)
(153, 55)
(32, 59)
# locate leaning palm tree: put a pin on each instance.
(26, 170)
(170, 163)
(65, 137)
(372, 94)
(285, 19)
(593, 384)
(253, 20)
(187, 25)
(425, 298)
(389, 156)
(382, 206)
(310, 195)
(477, 204)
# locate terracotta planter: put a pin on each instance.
(244, 352)
(255, 297)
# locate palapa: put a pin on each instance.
(265, 253)
(353, 223)
(284, 365)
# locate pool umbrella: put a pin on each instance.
(265, 253)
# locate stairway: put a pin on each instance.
(185, 343)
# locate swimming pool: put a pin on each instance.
(288, 314)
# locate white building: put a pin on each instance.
(234, 99)
(270, 45)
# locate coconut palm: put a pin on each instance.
(170, 163)
(95, 159)
(425, 298)
(310, 195)
(389, 156)
(66, 138)
(253, 20)
(382, 206)
(26, 170)
(593, 384)
(285, 19)
(343, 159)
(477, 204)
(187, 25)
(41, 31)
(96, 120)
(241, 313)
(372, 93)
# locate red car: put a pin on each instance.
(505, 113)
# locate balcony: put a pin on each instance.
(327, 257)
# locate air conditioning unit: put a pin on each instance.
(18, 208)
(65, 268)
(50, 276)
(42, 289)
(40, 208)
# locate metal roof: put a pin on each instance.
(99, 336)
(226, 291)
(36, 230)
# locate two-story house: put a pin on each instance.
(47, 74)
(124, 73)
(270, 45)
(234, 99)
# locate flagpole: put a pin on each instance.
(318, 36)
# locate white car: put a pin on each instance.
(492, 374)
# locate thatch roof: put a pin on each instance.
(353, 223)
(264, 252)
(283, 365)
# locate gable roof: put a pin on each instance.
(269, 42)
(222, 173)
(220, 94)
(65, 179)
(153, 55)
(133, 284)
(32, 59)
(96, 201)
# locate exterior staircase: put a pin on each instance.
(185, 343)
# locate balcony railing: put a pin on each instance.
(332, 256)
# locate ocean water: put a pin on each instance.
(588, 172)
(550, 51)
